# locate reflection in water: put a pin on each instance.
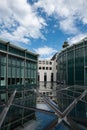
(48, 89)
(47, 85)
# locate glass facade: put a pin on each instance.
(18, 70)
(72, 64)
(72, 70)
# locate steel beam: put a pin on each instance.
(6, 108)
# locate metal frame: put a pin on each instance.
(63, 116)
(6, 108)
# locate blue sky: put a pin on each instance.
(42, 26)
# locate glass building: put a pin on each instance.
(72, 71)
(18, 70)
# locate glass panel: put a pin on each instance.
(26, 73)
(13, 71)
(3, 47)
(22, 72)
(29, 65)
(79, 52)
(16, 51)
(3, 75)
(32, 73)
(9, 60)
(3, 97)
(9, 71)
(34, 66)
(3, 59)
(29, 73)
(3, 71)
(22, 63)
(14, 61)
(3, 81)
(18, 62)
(18, 72)
(17, 81)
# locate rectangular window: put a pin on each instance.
(3, 71)
(46, 68)
(3, 80)
(9, 60)
(3, 75)
(13, 71)
(9, 81)
(43, 68)
(29, 73)
(14, 61)
(32, 66)
(26, 73)
(32, 74)
(22, 72)
(3, 59)
(18, 62)
(43, 62)
(3, 97)
(47, 62)
(50, 68)
(39, 68)
(21, 63)
(17, 81)
(29, 65)
(18, 72)
(39, 62)
(35, 66)
(50, 63)
(13, 80)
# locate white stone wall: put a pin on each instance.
(48, 67)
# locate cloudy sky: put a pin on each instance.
(42, 26)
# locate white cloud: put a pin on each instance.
(45, 52)
(76, 38)
(18, 20)
(68, 26)
(67, 13)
